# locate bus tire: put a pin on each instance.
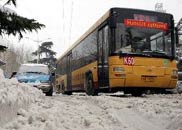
(89, 86)
(62, 89)
(59, 89)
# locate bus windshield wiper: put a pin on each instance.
(140, 54)
(156, 53)
(134, 54)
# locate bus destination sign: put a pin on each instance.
(146, 24)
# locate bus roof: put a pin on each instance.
(100, 21)
(152, 11)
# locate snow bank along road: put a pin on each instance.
(13, 96)
(104, 112)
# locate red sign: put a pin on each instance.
(129, 60)
(146, 24)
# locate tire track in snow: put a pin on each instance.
(133, 121)
(123, 114)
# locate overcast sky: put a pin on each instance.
(67, 20)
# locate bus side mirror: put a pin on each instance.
(112, 19)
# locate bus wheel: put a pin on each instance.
(89, 86)
(65, 92)
(59, 89)
(62, 89)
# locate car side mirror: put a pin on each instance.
(13, 74)
(53, 74)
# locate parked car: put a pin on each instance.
(36, 75)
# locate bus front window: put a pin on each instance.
(142, 40)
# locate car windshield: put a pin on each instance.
(135, 40)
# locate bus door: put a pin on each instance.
(68, 69)
(103, 45)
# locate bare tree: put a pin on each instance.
(14, 57)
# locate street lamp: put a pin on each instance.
(38, 41)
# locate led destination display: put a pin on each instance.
(146, 24)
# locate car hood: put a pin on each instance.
(33, 78)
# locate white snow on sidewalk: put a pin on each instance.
(104, 112)
(13, 96)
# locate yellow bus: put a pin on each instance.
(126, 50)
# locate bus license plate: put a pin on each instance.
(148, 78)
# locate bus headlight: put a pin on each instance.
(118, 69)
(174, 74)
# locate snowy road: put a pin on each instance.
(104, 112)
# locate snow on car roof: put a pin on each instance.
(31, 64)
(33, 68)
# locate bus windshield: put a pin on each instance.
(140, 40)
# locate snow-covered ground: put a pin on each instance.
(14, 96)
(26, 108)
(104, 112)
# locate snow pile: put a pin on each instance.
(13, 96)
(80, 112)
(167, 108)
(104, 112)
(163, 110)
(64, 113)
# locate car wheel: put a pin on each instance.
(50, 92)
